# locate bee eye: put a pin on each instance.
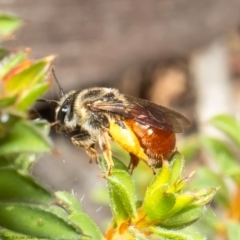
(62, 113)
(66, 110)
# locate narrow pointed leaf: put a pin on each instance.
(223, 155)
(24, 80)
(7, 122)
(6, 102)
(137, 234)
(8, 24)
(162, 178)
(121, 183)
(24, 137)
(36, 222)
(118, 210)
(7, 234)
(229, 126)
(11, 61)
(32, 95)
(157, 204)
(233, 230)
(87, 225)
(182, 201)
(183, 219)
(121, 190)
(68, 201)
(173, 234)
(3, 53)
(207, 178)
(16, 186)
(204, 196)
(177, 164)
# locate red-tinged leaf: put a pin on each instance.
(29, 77)
(11, 61)
(17, 69)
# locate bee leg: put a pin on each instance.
(106, 148)
(134, 160)
(153, 170)
(92, 153)
(83, 140)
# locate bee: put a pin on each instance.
(97, 115)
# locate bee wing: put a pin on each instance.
(145, 112)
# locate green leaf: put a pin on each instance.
(10, 61)
(207, 178)
(29, 77)
(87, 225)
(118, 210)
(68, 201)
(161, 179)
(137, 234)
(177, 164)
(7, 234)
(8, 24)
(121, 186)
(173, 234)
(34, 221)
(6, 102)
(233, 230)
(182, 202)
(204, 196)
(7, 122)
(158, 203)
(189, 147)
(223, 156)
(24, 137)
(121, 190)
(16, 186)
(19, 161)
(229, 126)
(182, 219)
(3, 53)
(32, 95)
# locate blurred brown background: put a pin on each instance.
(182, 54)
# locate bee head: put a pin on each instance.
(65, 110)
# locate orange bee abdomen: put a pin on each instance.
(158, 144)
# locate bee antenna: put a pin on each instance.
(57, 82)
(47, 101)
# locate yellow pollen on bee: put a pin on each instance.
(126, 138)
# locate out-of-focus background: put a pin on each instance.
(183, 54)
